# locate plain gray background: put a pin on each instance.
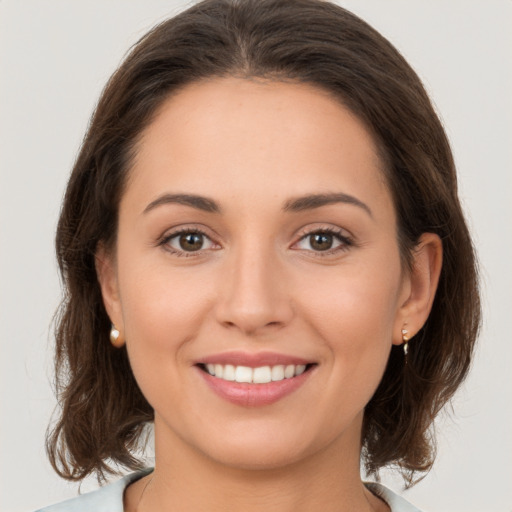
(55, 57)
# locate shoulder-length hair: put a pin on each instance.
(103, 412)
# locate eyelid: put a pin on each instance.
(346, 240)
(169, 234)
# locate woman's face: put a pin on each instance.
(257, 235)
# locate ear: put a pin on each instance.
(419, 287)
(107, 277)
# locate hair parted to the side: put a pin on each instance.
(103, 412)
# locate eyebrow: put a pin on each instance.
(318, 200)
(297, 204)
(199, 202)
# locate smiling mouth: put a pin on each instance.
(257, 375)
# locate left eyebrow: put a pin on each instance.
(311, 201)
(199, 202)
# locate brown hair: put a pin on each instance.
(311, 41)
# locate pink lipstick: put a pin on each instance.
(254, 379)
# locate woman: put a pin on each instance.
(265, 256)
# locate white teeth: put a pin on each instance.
(229, 372)
(262, 375)
(278, 372)
(259, 375)
(300, 368)
(242, 374)
(289, 371)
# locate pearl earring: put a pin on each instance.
(115, 336)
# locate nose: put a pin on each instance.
(253, 294)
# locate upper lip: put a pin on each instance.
(252, 360)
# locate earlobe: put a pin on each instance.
(422, 285)
(107, 278)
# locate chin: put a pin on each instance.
(266, 447)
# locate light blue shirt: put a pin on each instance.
(110, 498)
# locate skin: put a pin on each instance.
(259, 284)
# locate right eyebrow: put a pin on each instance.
(312, 201)
(195, 201)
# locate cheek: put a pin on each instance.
(156, 295)
(162, 311)
(354, 301)
(354, 314)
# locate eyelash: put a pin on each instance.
(164, 241)
(345, 241)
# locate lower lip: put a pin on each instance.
(254, 395)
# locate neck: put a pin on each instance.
(185, 479)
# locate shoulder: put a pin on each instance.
(106, 499)
(396, 503)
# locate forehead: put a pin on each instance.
(237, 137)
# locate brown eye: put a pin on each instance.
(321, 241)
(191, 241)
